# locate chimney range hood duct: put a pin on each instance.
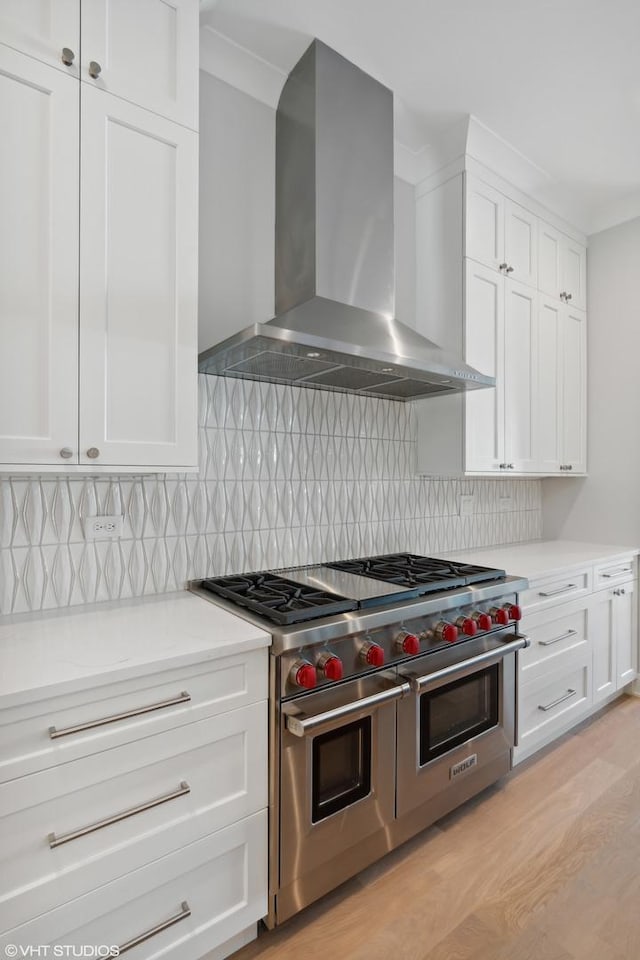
(334, 326)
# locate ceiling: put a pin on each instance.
(558, 79)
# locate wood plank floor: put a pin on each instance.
(543, 866)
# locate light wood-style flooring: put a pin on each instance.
(543, 866)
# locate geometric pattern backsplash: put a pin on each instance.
(287, 476)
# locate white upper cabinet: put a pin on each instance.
(549, 385)
(484, 349)
(139, 315)
(562, 266)
(520, 243)
(48, 30)
(574, 390)
(38, 262)
(145, 51)
(484, 223)
(519, 377)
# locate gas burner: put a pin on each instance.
(427, 573)
(278, 598)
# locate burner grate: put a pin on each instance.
(428, 574)
(278, 598)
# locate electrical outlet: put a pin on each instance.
(505, 504)
(465, 505)
(103, 528)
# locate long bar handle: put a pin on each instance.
(185, 911)
(55, 841)
(563, 636)
(301, 726)
(549, 706)
(556, 593)
(418, 683)
(616, 573)
(54, 733)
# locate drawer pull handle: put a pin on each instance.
(616, 573)
(556, 593)
(556, 703)
(55, 841)
(54, 733)
(563, 636)
(185, 911)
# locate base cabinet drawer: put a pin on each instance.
(555, 700)
(72, 828)
(611, 574)
(178, 907)
(558, 588)
(61, 729)
(553, 633)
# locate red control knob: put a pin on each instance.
(467, 625)
(304, 675)
(373, 654)
(514, 611)
(483, 620)
(331, 666)
(409, 643)
(446, 631)
(500, 615)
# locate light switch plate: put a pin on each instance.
(103, 528)
(465, 505)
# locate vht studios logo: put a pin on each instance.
(61, 950)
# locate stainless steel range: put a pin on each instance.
(392, 689)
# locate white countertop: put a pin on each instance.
(541, 557)
(48, 654)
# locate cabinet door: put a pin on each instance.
(549, 255)
(602, 636)
(573, 272)
(42, 28)
(138, 286)
(574, 390)
(549, 385)
(626, 634)
(484, 350)
(521, 243)
(38, 262)
(484, 220)
(520, 355)
(147, 51)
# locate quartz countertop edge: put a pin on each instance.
(543, 558)
(65, 651)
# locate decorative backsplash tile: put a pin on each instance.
(287, 476)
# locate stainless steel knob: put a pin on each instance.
(68, 56)
(511, 466)
(95, 69)
(563, 295)
(66, 453)
(93, 453)
(503, 466)
(622, 591)
(503, 266)
(568, 296)
(509, 269)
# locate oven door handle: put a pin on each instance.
(487, 657)
(301, 726)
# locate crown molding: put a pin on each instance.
(239, 67)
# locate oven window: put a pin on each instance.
(454, 713)
(341, 768)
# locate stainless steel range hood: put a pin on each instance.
(334, 326)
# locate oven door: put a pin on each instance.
(460, 718)
(337, 773)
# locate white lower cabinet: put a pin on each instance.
(583, 650)
(141, 797)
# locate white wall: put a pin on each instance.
(237, 216)
(605, 507)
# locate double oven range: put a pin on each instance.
(392, 701)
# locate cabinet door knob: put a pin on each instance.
(66, 453)
(509, 269)
(503, 266)
(568, 296)
(95, 69)
(93, 453)
(68, 56)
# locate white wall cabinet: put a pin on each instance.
(562, 270)
(98, 362)
(534, 421)
(43, 29)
